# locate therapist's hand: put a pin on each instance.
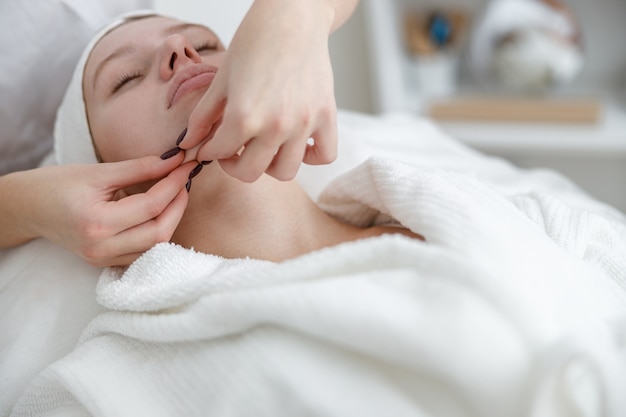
(272, 93)
(84, 210)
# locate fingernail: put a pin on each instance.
(188, 185)
(181, 137)
(206, 162)
(172, 152)
(195, 171)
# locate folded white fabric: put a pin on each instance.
(72, 137)
(490, 317)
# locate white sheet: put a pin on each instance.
(46, 300)
(399, 136)
(490, 308)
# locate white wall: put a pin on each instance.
(223, 16)
(602, 22)
(347, 48)
(352, 57)
(349, 53)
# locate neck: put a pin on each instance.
(268, 219)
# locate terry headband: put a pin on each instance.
(73, 143)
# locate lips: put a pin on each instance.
(188, 80)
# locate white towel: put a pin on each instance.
(490, 317)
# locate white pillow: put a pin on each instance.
(41, 41)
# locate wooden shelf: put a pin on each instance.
(606, 136)
(593, 154)
(585, 111)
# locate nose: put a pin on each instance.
(177, 52)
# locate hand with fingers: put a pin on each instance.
(91, 215)
(271, 105)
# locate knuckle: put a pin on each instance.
(243, 122)
(327, 157)
(199, 122)
(91, 235)
(328, 154)
(162, 236)
(280, 126)
(328, 112)
(154, 210)
(321, 155)
(97, 264)
(90, 229)
(286, 174)
(306, 119)
(93, 254)
(246, 175)
(162, 233)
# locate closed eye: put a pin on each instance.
(207, 46)
(125, 79)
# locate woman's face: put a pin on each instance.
(141, 83)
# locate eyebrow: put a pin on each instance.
(181, 27)
(118, 53)
(129, 49)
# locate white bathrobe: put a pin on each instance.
(514, 305)
(496, 314)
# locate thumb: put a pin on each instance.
(205, 115)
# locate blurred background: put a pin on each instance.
(538, 82)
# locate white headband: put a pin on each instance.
(73, 143)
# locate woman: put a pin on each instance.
(126, 228)
(485, 319)
(143, 79)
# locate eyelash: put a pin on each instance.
(207, 46)
(125, 79)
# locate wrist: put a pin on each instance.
(321, 13)
(16, 220)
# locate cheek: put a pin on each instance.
(127, 132)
